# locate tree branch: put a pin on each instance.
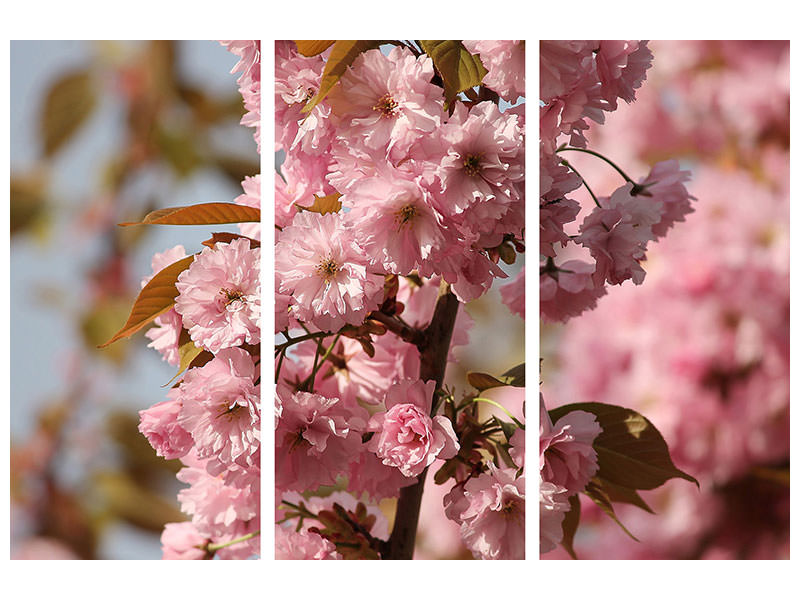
(403, 331)
(433, 349)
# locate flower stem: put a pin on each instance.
(244, 538)
(501, 407)
(583, 181)
(600, 156)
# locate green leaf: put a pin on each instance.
(313, 47)
(459, 69)
(570, 525)
(210, 213)
(324, 204)
(68, 104)
(342, 55)
(599, 496)
(156, 298)
(630, 450)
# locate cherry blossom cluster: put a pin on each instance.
(211, 420)
(385, 197)
(582, 81)
(703, 347)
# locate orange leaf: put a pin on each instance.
(211, 213)
(227, 238)
(325, 204)
(156, 298)
(313, 47)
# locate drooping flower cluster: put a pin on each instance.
(212, 418)
(583, 80)
(385, 195)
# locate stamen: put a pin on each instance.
(472, 164)
(406, 215)
(386, 105)
(327, 269)
(232, 295)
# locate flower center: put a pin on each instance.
(327, 268)
(296, 440)
(406, 215)
(231, 296)
(386, 105)
(472, 164)
(229, 412)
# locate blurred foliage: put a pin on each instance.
(166, 125)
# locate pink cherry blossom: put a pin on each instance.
(219, 296)
(568, 290)
(252, 198)
(505, 62)
(159, 424)
(220, 409)
(621, 67)
(316, 438)
(483, 165)
(394, 221)
(513, 294)
(303, 545)
(553, 507)
(320, 263)
(493, 523)
(406, 437)
(182, 541)
(665, 184)
(215, 506)
(566, 455)
(389, 101)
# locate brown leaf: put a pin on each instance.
(324, 204)
(156, 298)
(68, 104)
(226, 238)
(313, 47)
(211, 213)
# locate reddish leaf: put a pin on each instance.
(211, 213)
(325, 204)
(313, 47)
(156, 298)
(226, 238)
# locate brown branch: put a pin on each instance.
(393, 324)
(434, 348)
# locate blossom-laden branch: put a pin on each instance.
(433, 361)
